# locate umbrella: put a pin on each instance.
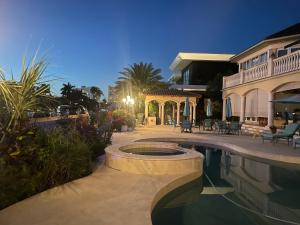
(186, 110)
(208, 108)
(294, 99)
(228, 108)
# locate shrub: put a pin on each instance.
(47, 159)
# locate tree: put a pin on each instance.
(136, 79)
(66, 90)
(96, 92)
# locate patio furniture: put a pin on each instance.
(287, 133)
(235, 128)
(207, 124)
(196, 124)
(220, 127)
(186, 126)
(296, 141)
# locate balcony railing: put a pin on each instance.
(284, 64)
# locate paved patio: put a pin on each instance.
(112, 197)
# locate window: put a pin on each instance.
(262, 58)
(282, 52)
(186, 76)
(294, 49)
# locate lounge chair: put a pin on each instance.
(207, 124)
(186, 126)
(287, 133)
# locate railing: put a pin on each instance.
(232, 80)
(287, 63)
(284, 64)
(256, 73)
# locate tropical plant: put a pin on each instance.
(66, 90)
(96, 93)
(137, 79)
(24, 94)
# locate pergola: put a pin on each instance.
(176, 97)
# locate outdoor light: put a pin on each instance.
(128, 100)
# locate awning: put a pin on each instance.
(294, 99)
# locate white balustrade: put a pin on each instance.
(288, 63)
(256, 73)
(281, 65)
(232, 80)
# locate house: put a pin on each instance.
(268, 70)
(191, 72)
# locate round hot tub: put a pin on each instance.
(154, 151)
(157, 158)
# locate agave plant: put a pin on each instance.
(24, 94)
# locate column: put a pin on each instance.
(162, 114)
(270, 63)
(270, 109)
(173, 111)
(159, 110)
(191, 115)
(178, 114)
(146, 109)
(242, 113)
(194, 112)
(224, 109)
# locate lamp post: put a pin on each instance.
(128, 101)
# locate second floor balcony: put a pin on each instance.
(273, 67)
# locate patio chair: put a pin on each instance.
(287, 133)
(186, 126)
(207, 124)
(235, 127)
(296, 142)
(196, 124)
(220, 127)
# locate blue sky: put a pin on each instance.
(88, 42)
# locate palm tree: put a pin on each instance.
(66, 90)
(96, 92)
(138, 78)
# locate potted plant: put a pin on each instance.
(273, 129)
(130, 121)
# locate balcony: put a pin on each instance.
(273, 67)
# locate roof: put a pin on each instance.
(172, 92)
(188, 87)
(184, 58)
(291, 32)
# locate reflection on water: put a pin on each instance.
(259, 186)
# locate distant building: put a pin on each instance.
(112, 94)
(86, 90)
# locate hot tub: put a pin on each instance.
(153, 158)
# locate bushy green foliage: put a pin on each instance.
(47, 159)
(119, 114)
(121, 117)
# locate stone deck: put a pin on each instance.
(111, 197)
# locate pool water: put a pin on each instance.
(154, 151)
(234, 190)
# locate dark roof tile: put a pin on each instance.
(291, 30)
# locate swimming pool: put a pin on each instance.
(233, 189)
